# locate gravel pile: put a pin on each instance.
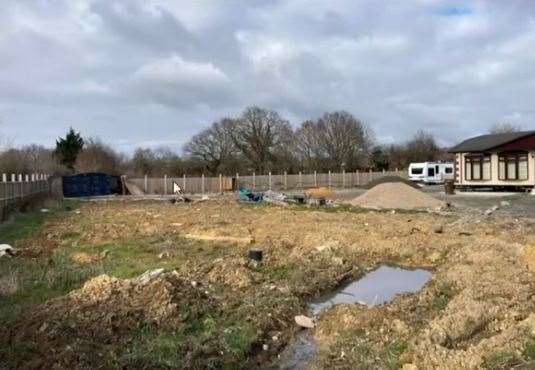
(396, 195)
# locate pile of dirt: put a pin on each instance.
(385, 179)
(108, 310)
(396, 195)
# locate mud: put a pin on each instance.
(479, 301)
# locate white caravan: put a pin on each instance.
(431, 172)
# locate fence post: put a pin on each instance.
(269, 180)
(343, 178)
(165, 184)
(146, 184)
(358, 178)
(300, 179)
(384, 171)
(315, 179)
(254, 181)
(184, 183)
(371, 175)
(220, 184)
(202, 183)
(285, 180)
(4, 177)
(329, 179)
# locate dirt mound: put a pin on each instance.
(108, 310)
(385, 179)
(396, 195)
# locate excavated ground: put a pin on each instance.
(72, 297)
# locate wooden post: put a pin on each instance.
(184, 183)
(300, 179)
(269, 180)
(343, 178)
(285, 180)
(220, 184)
(329, 179)
(4, 177)
(164, 184)
(254, 181)
(202, 183)
(358, 178)
(146, 184)
(371, 175)
(315, 179)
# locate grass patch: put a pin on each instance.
(529, 351)
(277, 272)
(502, 360)
(25, 224)
(444, 293)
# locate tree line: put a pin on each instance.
(259, 140)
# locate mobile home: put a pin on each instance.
(431, 172)
(504, 161)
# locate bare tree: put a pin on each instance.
(505, 127)
(261, 136)
(214, 147)
(337, 140)
(98, 157)
(422, 147)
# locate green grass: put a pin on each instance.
(25, 224)
(529, 351)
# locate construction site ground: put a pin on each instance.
(75, 295)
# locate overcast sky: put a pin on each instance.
(154, 72)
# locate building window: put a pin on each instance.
(513, 166)
(477, 167)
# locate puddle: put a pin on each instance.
(376, 287)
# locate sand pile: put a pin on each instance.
(396, 195)
(384, 179)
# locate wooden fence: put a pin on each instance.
(279, 182)
(15, 190)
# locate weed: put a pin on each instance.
(529, 350)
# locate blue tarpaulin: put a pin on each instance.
(87, 185)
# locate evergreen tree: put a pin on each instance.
(67, 148)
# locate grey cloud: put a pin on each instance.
(155, 72)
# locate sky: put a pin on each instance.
(152, 73)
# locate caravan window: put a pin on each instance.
(477, 167)
(417, 171)
(431, 172)
(448, 170)
(513, 166)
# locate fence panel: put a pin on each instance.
(20, 189)
(263, 182)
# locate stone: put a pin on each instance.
(304, 321)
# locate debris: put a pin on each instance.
(465, 233)
(149, 275)
(246, 195)
(265, 347)
(304, 321)
(275, 197)
(45, 210)
(7, 250)
(491, 210)
(439, 229)
(321, 192)
(256, 254)
(396, 196)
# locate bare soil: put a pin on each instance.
(213, 308)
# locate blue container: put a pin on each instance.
(87, 185)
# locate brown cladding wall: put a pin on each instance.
(525, 143)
